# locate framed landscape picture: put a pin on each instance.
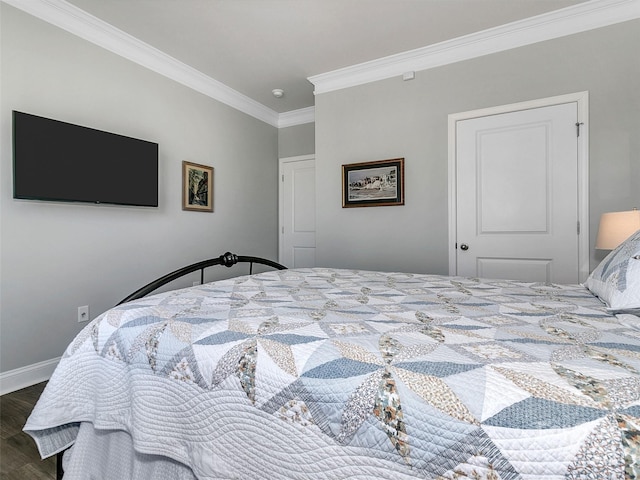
(373, 184)
(197, 187)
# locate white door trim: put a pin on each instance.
(281, 162)
(582, 100)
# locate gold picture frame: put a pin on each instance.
(197, 187)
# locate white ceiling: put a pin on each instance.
(254, 46)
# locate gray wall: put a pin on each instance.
(392, 118)
(296, 140)
(55, 256)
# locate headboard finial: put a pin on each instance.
(228, 259)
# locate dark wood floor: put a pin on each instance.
(19, 457)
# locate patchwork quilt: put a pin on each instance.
(329, 373)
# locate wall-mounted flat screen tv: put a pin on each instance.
(59, 161)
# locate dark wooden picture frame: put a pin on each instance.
(197, 187)
(373, 184)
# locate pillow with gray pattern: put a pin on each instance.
(616, 281)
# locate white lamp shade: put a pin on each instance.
(616, 227)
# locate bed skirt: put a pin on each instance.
(109, 454)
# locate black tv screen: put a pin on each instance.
(59, 161)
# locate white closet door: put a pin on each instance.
(517, 195)
(298, 213)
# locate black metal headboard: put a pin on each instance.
(228, 260)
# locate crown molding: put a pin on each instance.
(297, 117)
(84, 25)
(567, 21)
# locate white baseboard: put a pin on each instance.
(26, 376)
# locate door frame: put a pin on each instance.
(582, 101)
(281, 162)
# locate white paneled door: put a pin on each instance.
(298, 212)
(517, 195)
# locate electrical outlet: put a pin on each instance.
(83, 314)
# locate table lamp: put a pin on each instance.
(616, 227)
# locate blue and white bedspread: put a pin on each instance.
(327, 373)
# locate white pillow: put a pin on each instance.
(616, 281)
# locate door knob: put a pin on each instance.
(464, 247)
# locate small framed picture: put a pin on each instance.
(373, 184)
(197, 187)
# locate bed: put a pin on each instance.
(327, 373)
